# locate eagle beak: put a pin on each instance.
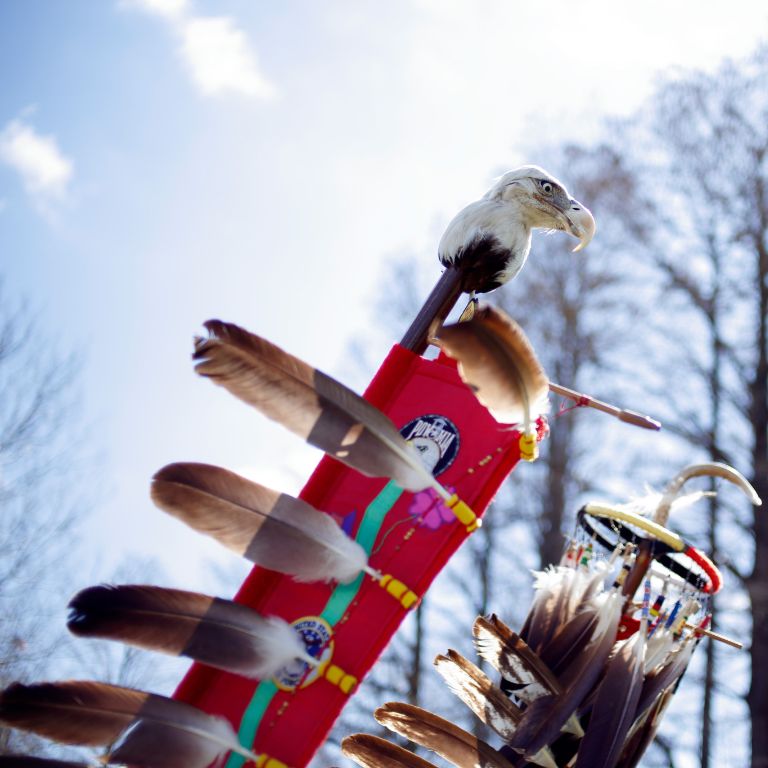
(581, 224)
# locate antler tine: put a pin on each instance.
(706, 469)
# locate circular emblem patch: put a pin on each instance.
(436, 439)
(316, 634)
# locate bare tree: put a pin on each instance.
(39, 468)
(699, 151)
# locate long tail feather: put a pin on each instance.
(150, 730)
(217, 632)
(373, 752)
(487, 702)
(499, 363)
(314, 406)
(544, 717)
(615, 706)
(452, 743)
(268, 528)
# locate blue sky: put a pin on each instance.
(163, 162)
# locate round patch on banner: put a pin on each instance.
(436, 439)
(316, 634)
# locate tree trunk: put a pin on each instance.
(758, 580)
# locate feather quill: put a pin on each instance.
(522, 670)
(484, 699)
(442, 737)
(499, 363)
(145, 729)
(220, 633)
(544, 717)
(311, 404)
(374, 752)
(615, 706)
(268, 528)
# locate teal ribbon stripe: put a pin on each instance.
(334, 609)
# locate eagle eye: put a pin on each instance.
(546, 187)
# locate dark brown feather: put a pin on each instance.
(374, 752)
(615, 706)
(452, 743)
(314, 406)
(644, 732)
(217, 632)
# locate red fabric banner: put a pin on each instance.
(410, 538)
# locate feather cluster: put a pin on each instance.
(573, 690)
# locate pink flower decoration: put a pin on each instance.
(430, 510)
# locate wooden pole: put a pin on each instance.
(439, 303)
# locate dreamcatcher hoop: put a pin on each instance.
(669, 547)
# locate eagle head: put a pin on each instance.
(543, 202)
(489, 240)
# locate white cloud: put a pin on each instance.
(219, 58)
(44, 170)
(214, 49)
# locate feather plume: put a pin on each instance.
(268, 528)
(311, 404)
(374, 752)
(498, 362)
(484, 699)
(220, 633)
(146, 729)
(452, 743)
(544, 717)
(615, 706)
(522, 670)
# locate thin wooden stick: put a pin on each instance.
(715, 636)
(628, 417)
(706, 632)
